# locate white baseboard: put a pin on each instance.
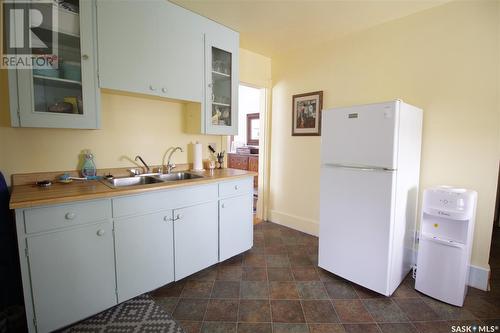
(307, 226)
(479, 277)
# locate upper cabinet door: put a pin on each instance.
(180, 64)
(128, 39)
(221, 75)
(63, 96)
(150, 47)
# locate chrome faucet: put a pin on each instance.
(171, 166)
(140, 158)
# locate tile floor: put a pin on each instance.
(278, 287)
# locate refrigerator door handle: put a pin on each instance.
(356, 167)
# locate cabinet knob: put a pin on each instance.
(223, 205)
(100, 232)
(164, 90)
(210, 85)
(85, 57)
(236, 187)
(152, 88)
(167, 219)
(70, 216)
(179, 216)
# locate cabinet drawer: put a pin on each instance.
(236, 187)
(153, 202)
(53, 217)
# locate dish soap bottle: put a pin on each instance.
(88, 167)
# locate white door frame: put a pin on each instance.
(264, 145)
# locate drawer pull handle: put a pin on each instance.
(100, 232)
(236, 187)
(70, 216)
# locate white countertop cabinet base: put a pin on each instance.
(236, 229)
(80, 258)
(144, 256)
(196, 238)
(72, 274)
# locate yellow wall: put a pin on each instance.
(131, 125)
(444, 60)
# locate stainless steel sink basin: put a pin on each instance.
(130, 181)
(150, 179)
(170, 177)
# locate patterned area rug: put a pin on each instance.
(140, 314)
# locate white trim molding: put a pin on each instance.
(479, 277)
(299, 223)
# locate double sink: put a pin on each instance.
(150, 179)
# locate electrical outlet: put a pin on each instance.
(214, 146)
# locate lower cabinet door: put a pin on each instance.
(144, 253)
(196, 238)
(72, 274)
(235, 225)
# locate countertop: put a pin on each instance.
(25, 196)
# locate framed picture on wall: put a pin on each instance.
(306, 117)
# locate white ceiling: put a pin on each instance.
(271, 27)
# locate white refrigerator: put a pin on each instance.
(370, 164)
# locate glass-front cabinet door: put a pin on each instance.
(221, 108)
(62, 92)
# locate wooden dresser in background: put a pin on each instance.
(248, 162)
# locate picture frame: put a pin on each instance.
(306, 114)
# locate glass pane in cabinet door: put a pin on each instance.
(57, 87)
(221, 87)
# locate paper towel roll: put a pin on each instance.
(197, 157)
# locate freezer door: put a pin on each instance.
(356, 217)
(362, 135)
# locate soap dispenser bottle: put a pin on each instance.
(88, 167)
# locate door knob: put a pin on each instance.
(70, 216)
(100, 232)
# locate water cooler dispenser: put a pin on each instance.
(446, 234)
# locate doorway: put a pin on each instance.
(246, 150)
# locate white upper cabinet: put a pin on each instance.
(157, 48)
(128, 45)
(181, 54)
(221, 76)
(150, 47)
(65, 95)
